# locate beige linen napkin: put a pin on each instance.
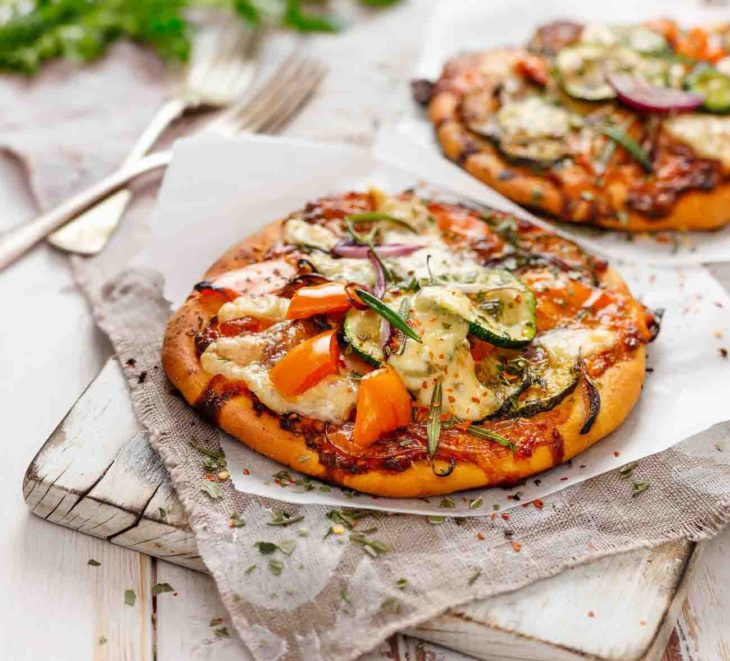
(304, 593)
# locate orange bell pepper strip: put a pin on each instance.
(306, 364)
(696, 43)
(319, 299)
(383, 404)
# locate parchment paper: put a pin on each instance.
(219, 191)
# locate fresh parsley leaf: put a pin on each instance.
(213, 489)
(159, 588)
(93, 563)
(130, 597)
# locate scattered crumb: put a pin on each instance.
(517, 546)
(131, 362)
(142, 376)
(616, 453)
(642, 623)
(505, 516)
(591, 614)
(538, 504)
(723, 352)
(480, 536)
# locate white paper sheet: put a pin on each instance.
(463, 25)
(219, 191)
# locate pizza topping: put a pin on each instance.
(265, 306)
(327, 298)
(646, 97)
(300, 233)
(383, 405)
(498, 307)
(306, 364)
(712, 85)
(708, 136)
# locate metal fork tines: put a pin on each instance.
(272, 104)
(267, 109)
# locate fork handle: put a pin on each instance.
(17, 240)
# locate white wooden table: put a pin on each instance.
(56, 606)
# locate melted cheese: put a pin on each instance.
(411, 211)
(332, 399)
(708, 135)
(241, 358)
(301, 233)
(344, 268)
(265, 306)
(534, 117)
(567, 344)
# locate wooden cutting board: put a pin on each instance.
(98, 475)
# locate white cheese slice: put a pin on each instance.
(568, 343)
(301, 233)
(265, 306)
(708, 135)
(343, 268)
(240, 359)
(332, 399)
(534, 117)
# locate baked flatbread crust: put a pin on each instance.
(702, 205)
(262, 430)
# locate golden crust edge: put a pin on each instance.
(694, 210)
(620, 388)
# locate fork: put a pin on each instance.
(266, 109)
(220, 71)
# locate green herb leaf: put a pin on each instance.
(372, 547)
(628, 143)
(212, 489)
(130, 597)
(103, 640)
(287, 546)
(93, 563)
(476, 503)
(627, 470)
(473, 578)
(480, 432)
(276, 567)
(433, 427)
(386, 313)
(160, 588)
(639, 487)
(436, 520)
(236, 521)
(284, 519)
(447, 503)
(401, 583)
(222, 632)
(266, 548)
(297, 19)
(250, 569)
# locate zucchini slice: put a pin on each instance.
(362, 332)
(550, 379)
(713, 85)
(499, 308)
(582, 70)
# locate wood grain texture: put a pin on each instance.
(118, 490)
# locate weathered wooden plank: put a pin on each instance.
(130, 502)
(616, 608)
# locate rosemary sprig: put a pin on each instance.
(630, 145)
(433, 429)
(480, 432)
(393, 318)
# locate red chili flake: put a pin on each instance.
(538, 503)
(246, 471)
(424, 385)
(505, 516)
(591, 614)
(642, 623)
(480, 536)
(451, 399)
(562, 479)
(517, 546)
(616, 453)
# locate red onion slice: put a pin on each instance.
(347, 249)
(641, 95)
(379, 288)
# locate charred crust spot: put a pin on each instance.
(422, 90)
